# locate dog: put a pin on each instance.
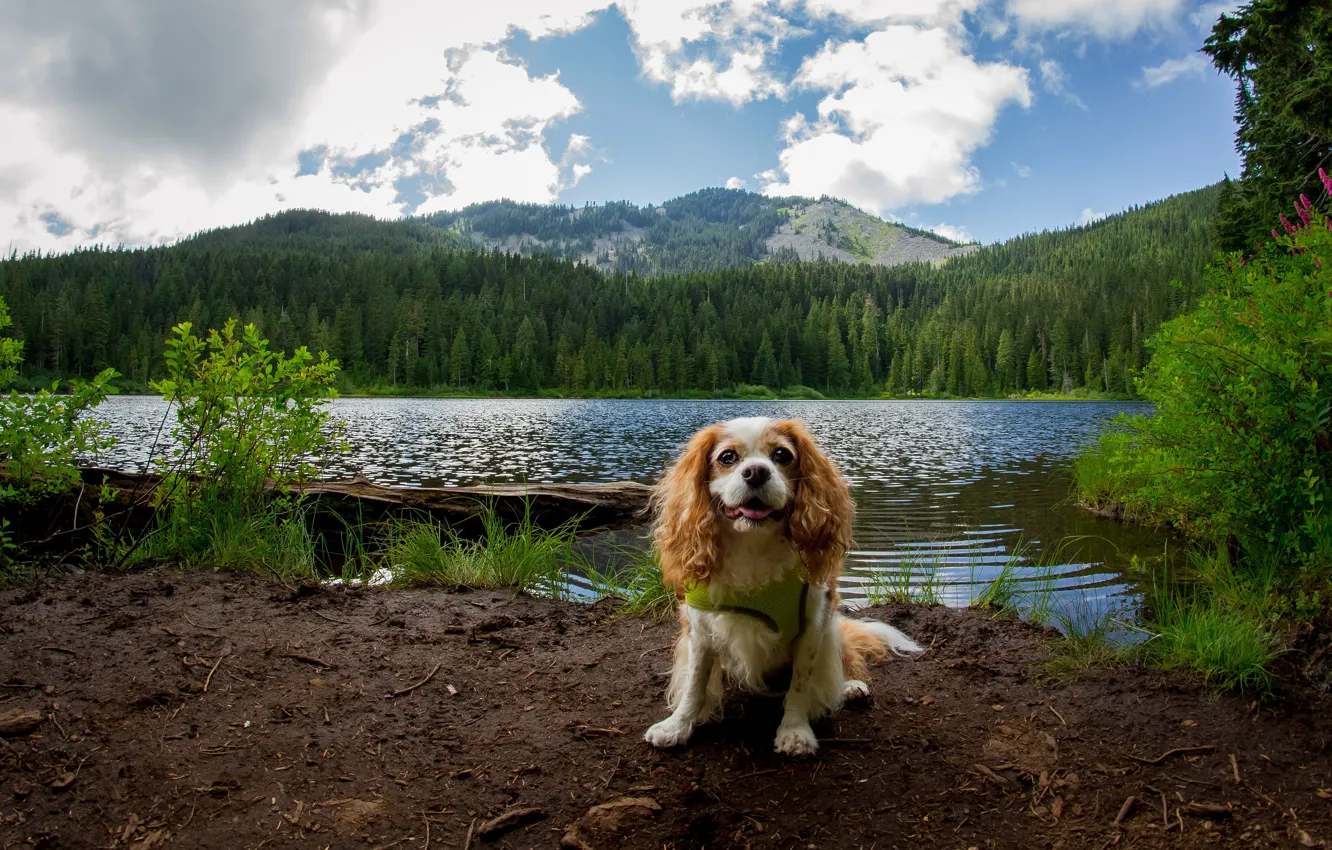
(752, 525)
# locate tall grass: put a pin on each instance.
(521, 556)
(638, 583)
(230, 535)
(1086, 644)
(912, 582)
(1218, 625)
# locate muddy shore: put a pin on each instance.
(167, 709)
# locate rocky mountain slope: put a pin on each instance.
(711, 228)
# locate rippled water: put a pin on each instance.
(949, 494)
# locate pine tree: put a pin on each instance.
(765, 364)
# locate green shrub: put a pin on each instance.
(43, 434)
(1239, 448)
(247, 417)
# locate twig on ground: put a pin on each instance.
(411, 688)
(1057, 714)
(196, 625)
(1177, 751)
(60, 649)
(332, 619)
(216, 664)
(1234, 766)
(1124, 811)
(467, 842)
(310, 659)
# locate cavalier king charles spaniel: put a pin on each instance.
(752, 524)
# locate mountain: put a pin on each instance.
(704, 230)
(411, 307)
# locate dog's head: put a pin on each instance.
(751, 476)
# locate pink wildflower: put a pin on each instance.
(1303, 213)
(1304, 201)
(1276, 235)
(1327, 181)
(1290, 228)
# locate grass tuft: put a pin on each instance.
(521, 556)
(638, 584)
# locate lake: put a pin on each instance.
(949, 494)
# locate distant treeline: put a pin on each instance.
(401, 306)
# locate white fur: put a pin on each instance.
(716, 647)
(731, 487)
(897, 642)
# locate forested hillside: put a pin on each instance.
(704, 230)
(404, 308)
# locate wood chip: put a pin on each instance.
(20, 721)
(1124, 811)
(1207, 810)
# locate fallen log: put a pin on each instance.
(613, 503)
(63, 522)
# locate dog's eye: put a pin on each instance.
(728, 457)
(782, 456)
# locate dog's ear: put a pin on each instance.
(685, 529)
(823, 513)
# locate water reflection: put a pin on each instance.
(951, 495)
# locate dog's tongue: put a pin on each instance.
(756, 513)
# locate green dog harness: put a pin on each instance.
(779, 605)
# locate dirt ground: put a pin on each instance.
(220, 710)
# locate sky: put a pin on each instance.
(137, 122)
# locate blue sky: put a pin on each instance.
(979, 118)
(1107, 143)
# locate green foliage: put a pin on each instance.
(42, 435)
(247, 416)
(1240, 447)
(413, 316)
(911, 582)
(1279, 52)
(11, 350)
(219, 534)
(521, 556)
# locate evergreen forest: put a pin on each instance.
(408, 307)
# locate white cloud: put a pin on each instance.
(735, 183)
(1022, 170)
(1101, 18)
(1170, 70)
(905, 109)
(955, 233)
(927, 12)
(1054, 79)
(121, 129)
(1090, 216)
(741, 33)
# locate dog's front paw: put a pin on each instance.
(668, 733)
(796, 740)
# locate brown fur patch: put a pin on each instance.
(860, 648)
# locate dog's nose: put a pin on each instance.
(756, 475)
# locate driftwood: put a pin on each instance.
(615, 503)
(62, 523)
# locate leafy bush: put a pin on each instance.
(1239, 449)
(43, 435)
(247, 416)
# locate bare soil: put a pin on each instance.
(220, 710)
